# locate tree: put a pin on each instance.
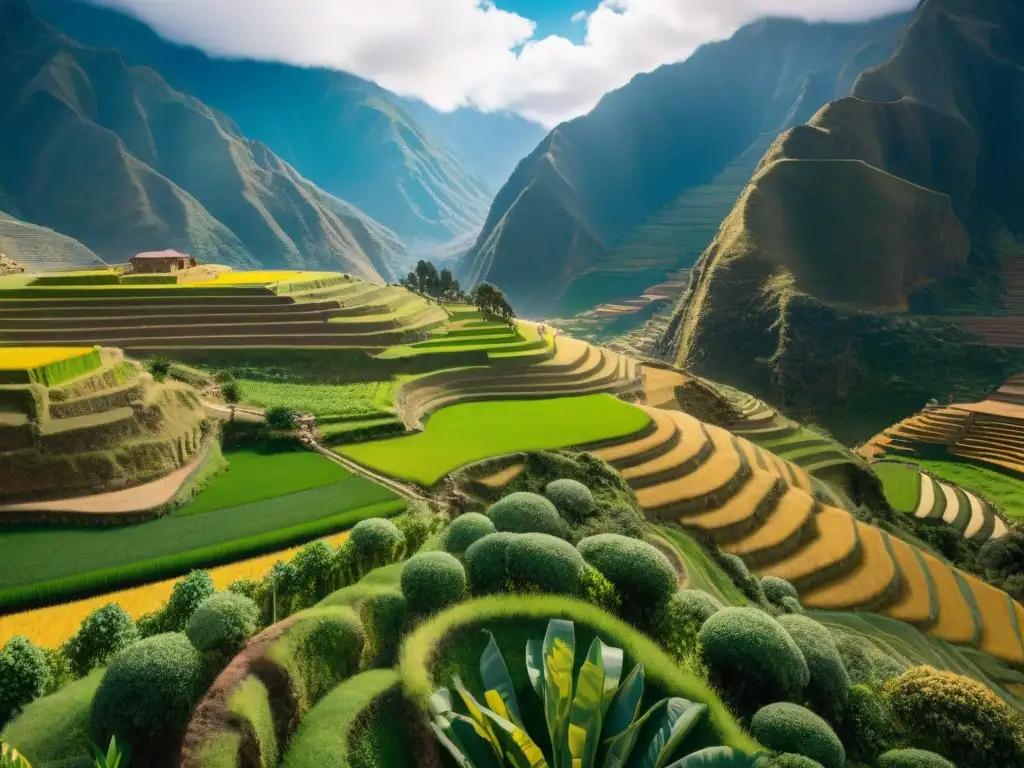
(493, 304)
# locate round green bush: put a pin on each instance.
(571, 498)
(865, 724)
(788, 727)
(147, 693)
(693, 605)
(523, 512)
(222, 624)
(775, 589)
(642, 575)
(431, 581)
(913, 758)
(24, 675)
(955, 716)
(186, 596)
(104, 632)
(485, 563)
(736, 569)
(752, 658)
(543, 563)
(384, 616)
(791, 605)
(466, 529)
(375, 542)
(829, 681)
(786, 760)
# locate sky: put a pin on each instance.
(546, 60)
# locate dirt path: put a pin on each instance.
(408, 492)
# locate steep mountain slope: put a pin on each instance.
(595, 181)
(911, 190)
(346, 135)
(36, 248)
(111, 156)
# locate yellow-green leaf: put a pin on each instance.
(495, 677)
(518, 749)
(559, 658)
(587, 710)
(678, 719)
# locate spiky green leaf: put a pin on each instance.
(517, 748)
(677, 720)
(620, 747)
(559, 658)
(494, 674)
(587, 711)
(625, 704)
(535, 666)
(714, 757)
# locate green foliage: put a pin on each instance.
(492, 303)
(282, 417)
(222, 624)
(113, 757)
(752, 658)
(864, 661)
(642, 575)
(148, 691)
(790, 605)
(571, 498)
(786, 760)
(104, 632)
(374, 543)
(250, 703)
(788, 727)
(159, 366)
(584, 708)
(955, 716)
(485, 563)
(865, 724)
(829, 680)
(694, 606)
(314, 565)
(749, 584)
(416, 525)
(431, 581)
(597, 590)
(231, 392)
(523, 512)
(913, 758)
(10, 758)
(186, 596)
(384, 616)
(775, 589)
(537, 562)
(325, 401)
(465, 530)
(24, 675)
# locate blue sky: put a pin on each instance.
(553, 17)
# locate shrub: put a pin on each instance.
(955, 716)
(752, 658)
(147, 693)
(186, 596)
(281, 417)
(104, 632)
(597, 590)
(643, 576)
(231, 392)
(741, 576)
(694, 605)
(245, 587)
(829, 680)
(571, 498)
(676, 624)
(786, 760)
(24, 675)
(865, 724)
(537, 562)
(384, 620)
(791, 605)
(466, 529)
(374, 543)
(913, 758)
(158, 366)
(485, 563)
(222, 624)
(416, 524)
(775, 589)
(431, 581)
(787, 727)
(314, 569)
(523, 512)
(866, 664)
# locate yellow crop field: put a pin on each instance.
(999, 637)
(251, 278)
(665, 428)
(720, 467)
(691, 441)
(836, 541)
(915, 602)
(51, 626)
(736, 509)
(862, 586)
(788, 518)
(956, 622)
(27, 358)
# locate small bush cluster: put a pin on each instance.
(526, 562)
(788, 727)
(221, 626)
(786, 760)
(384, 618)
(373, 543)
(643, 577)
(913, 758)
(186, 597)
(829, 680)
(865, 724)
(465, 530)
(24, 675)
(749, 584)
(432, 581)
(104, 632)
(776, 589)
(571, 498)
(524, 512)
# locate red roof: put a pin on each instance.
(162, 255)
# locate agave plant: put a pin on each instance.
(9, 758)
(593, 721)
(115, 757)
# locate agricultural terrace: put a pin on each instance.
(49, 366)
(1003, 490)
(342, 400)
(461, 434)
(261, 503)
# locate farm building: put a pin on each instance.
(157, 262)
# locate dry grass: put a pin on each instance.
(251, 278)
(999, 637)
(914, 604)
(836, 542)
(51, 626)
(789, 516)
(866, 584)
(26, 358)
(956, 622)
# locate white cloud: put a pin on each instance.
(579, 16)
(453, 53)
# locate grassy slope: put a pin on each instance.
(902, 485)
(1005, 492)
(704, 573)
(253, 476)
(319, 399)
(469, 432)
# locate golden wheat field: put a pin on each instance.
(999, 638)
(837, 541)
(736, 510)
(914, 604)
(956, 622)
(25, 358)
(866, 583)
(251, 278)
(788, 518)
(51, 626)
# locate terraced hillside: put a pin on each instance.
(337, 311)
(36, 247)
(108, 429)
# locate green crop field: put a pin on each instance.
(902, 485)
(1001, 490)
(469, 432)
(359, 399)
(43, 563)
(254, 476)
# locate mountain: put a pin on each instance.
(871, 237)
(569, 211)
(113, 157)
(348, 136)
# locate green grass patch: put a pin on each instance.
(54, 730)
(357, 399)
(461, 434)
(1006, 493)
(253, 476)
(44, 564)
(704, 572)
(902, 485)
